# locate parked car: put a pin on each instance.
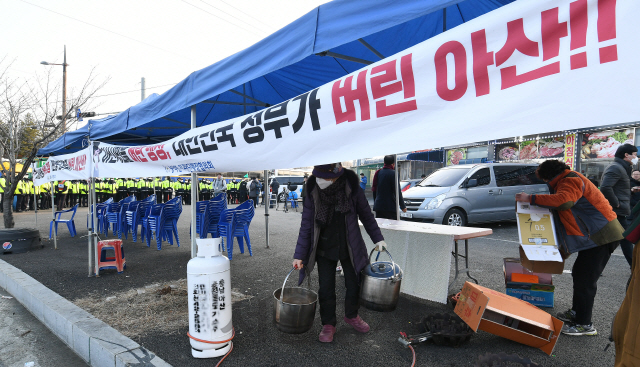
(471, 193)
(407, 184)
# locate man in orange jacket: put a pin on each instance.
(587, 225)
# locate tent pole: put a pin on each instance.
(95, 225)
(90, 236)
(53, 211)
(194, 194)
(267, 197)
(35, 198)
(396, 185)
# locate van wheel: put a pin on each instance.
(282, 198)
(455, 217)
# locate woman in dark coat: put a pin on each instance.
(329, 233)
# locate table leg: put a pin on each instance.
(455, 257)
(466, 260)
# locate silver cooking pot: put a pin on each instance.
(294, 308)
(381, 282)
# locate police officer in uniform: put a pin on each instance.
(167, 190)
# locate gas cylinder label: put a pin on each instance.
(206, 307)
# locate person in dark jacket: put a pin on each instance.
(254, 190)
(635, 193)
(329, 232)
(616, 187)
(587, 225)
(385, 204)
(303, 192)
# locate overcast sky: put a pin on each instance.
(125, 40)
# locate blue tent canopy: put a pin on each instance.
(325, 44)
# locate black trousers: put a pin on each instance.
(386, 215)
(327, 292)
(586, 271)
(61, 200)
(255, 201)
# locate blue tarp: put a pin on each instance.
(284, 65)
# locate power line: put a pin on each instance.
(106, 30)
(131, 91)
(225, 20)
(254, 18)
(231, 15)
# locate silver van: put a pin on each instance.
(471, 193)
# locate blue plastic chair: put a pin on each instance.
(242, 219)
(202, 219)
(214, 209)
(111, 218)
(134, 216)
(225, 228)
(162, 222)
(123, 223)
(100, 212)
(70, 223)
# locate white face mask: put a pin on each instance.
(322, 183)
(634, 161)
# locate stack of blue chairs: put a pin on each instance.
(235, 223)
(151, 199)
(215, 208)
(162, 220)
(135, 216)
(122, 216)
(100, 214)
(208, 214)
(110, 217)
(202, 219)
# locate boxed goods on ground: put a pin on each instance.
(511, 318)
(535, 288)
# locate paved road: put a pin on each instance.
(258, 343)
(24, 339)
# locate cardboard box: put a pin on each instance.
(538, 240)
(511, 318)
(539, 293)
(549, 267)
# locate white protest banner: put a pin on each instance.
(73, 166)
(526, 68)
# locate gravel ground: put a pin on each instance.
(259, 343)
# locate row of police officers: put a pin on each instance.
(71, 192)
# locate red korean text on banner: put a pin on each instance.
(384, 81)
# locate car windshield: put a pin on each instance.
(444, 177)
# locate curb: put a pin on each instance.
(95, 342)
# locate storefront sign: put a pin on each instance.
(570, 150)
(604, 144)
(455, 155)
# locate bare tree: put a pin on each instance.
(27, 105)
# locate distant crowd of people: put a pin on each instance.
(68, 193)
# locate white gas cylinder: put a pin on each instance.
(209, 287)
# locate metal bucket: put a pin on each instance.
(380, 289)
(293, 312)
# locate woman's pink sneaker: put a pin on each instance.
(326, 335)
(358, 324)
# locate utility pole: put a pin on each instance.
(64, 91)
(142, 91)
